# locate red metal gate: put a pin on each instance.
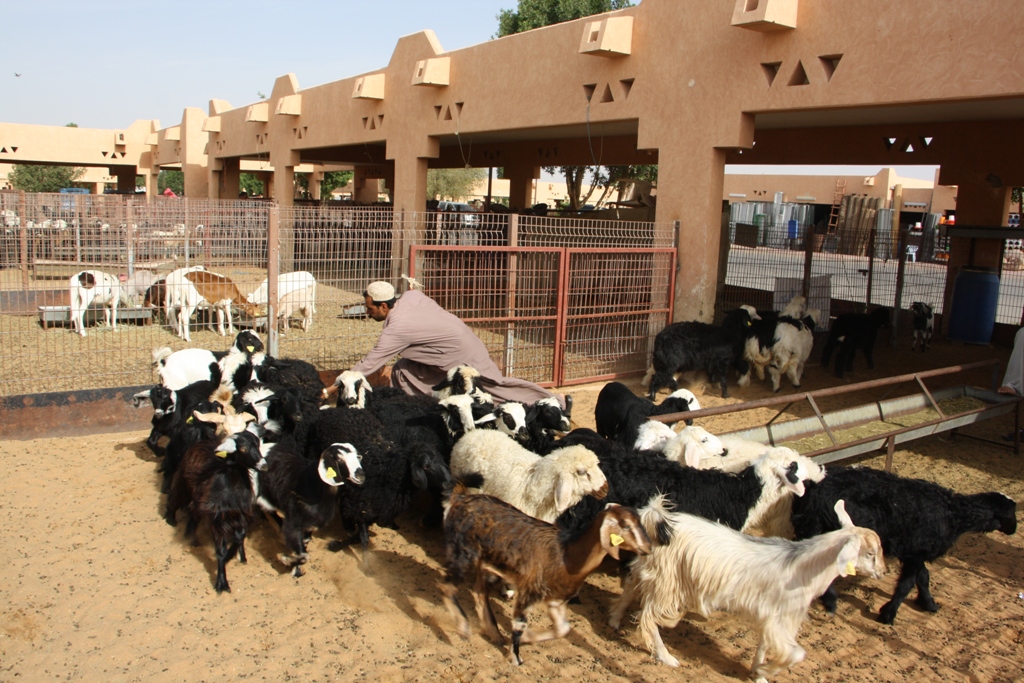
(555, 316)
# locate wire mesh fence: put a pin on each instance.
(846, 266)
(47, 239)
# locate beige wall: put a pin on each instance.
(690, 86)
(821, 189)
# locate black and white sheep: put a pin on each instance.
(853, 331)
(302, 493)
(750, 499)
(687, 346)
(619, 412)
(393, 473)
(924, 324)
(485, 536)
(918, 522)
(794, 341)
(701, 566)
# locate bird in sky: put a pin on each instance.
(17, 75)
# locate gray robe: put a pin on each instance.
(1014, 376)
(432, 341)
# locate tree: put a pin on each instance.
(250, 184)
(31, 178)
(333, 180)
(532, 14)
(453, 183)
(173, 179)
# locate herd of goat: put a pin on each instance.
(697, 522)
(182, 292)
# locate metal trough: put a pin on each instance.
(883, 410)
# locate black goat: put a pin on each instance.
(619, 412)
(686, 346)
(852, 331)
(301, 493)
(292, 373)
(189, 431)
(214, 483)
(918, 522)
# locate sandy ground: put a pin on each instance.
(98, 587)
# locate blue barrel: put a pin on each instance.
(973, 312)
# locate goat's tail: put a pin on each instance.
(161, 354)
(656, 521)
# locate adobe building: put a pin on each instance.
(688, 86)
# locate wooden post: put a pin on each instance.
(897, 202)
(273, 257)
(805, 290)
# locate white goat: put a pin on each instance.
(93, 287)
(542, 487)
(793, 348)
(702, 566)
(296, 292)
(181, 299)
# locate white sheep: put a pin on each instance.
(296, 292)
(93, 287)
(652, 436)
(542, 487)
(702, 566)
(740, 453)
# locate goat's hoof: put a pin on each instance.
(886, 616)
(927, 605)
(669, 660)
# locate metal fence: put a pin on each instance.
(856, 262)
(46, 239)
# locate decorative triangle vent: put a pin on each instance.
(447, 113)
(588, 91)
(926, 142)
(13, 150)
(890, 143)
(829, 64)
(458, 108)
(771, 70)
(799, 76)
(627, 85)
(437, 111)
(380, 120)
(607, 96)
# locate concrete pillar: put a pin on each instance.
(316, 179)
(96, 188)
(230, 179)
(520, 181)
(690, 182)
(193, 153)
(977, 203)
(125, 178)
(364, 189)
(409, 189)
(283, 179)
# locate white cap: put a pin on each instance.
(380, 291)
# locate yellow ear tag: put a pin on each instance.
(850, 570)
(617, 540)
(189, 420)
(331, 473)
(221, 454)
(250, 348)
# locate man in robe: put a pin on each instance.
(431, 341)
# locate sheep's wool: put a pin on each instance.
(380, 291)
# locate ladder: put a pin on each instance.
(837, 202)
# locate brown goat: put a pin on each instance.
(220, 292)
(486, 536)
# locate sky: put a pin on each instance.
(107, 63)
